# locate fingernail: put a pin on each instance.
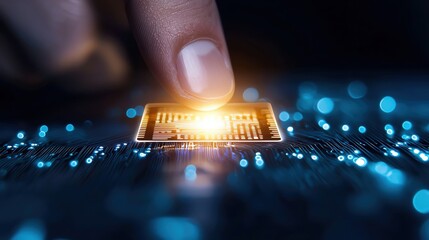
(204, 72)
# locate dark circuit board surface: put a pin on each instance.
(355, 171)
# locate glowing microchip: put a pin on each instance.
(234, 122)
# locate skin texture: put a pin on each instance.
(57, 35)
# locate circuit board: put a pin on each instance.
(333, 176)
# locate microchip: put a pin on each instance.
(234, 122)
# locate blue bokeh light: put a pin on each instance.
(357, 89)
(69, 127)
(362, 129)
(243, 163)
(326, 126)
(297, 116)
(284, 116)
(388, 104)
(131, 113)
(407, 125)
(20, 135)
(73, 163)
(421, 201)
(251, 95)
(325, 105)
(44, 128)
(345, 128)
(42, 134)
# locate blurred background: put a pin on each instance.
(274, 46)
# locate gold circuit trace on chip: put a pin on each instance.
(234, 122)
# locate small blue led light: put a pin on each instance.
(20, 135)
(297, 116)
(44, 128)
(421, 201)
(325, 105)
(345, 128)
(387, 127)
(415, 137)
(284, 116)
(326, 126)
(362, 129)
(387, 104)
(142, 154)
(73, 163)
(289, 129)
(314, 157)
(88, 160)
(48, 164)
(357, 89)
(424, 157)
(407, 125)
(299, 156)
(243, 163)
(321, 122)
(350, 157)
(394, 153)
(40, 164)
(361, 161)
(259, 163)
(340, 158)
(131, 113)
(251, 95)
(42, 134)
(390, 131)
(69, 127)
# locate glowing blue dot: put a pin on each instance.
(69, 127)
(297, 116)
(20, 135)
(424, 157)
(340, 158)
(390, 131)
(48, 164)
(289, 129)
(395, 176)
(345, 128)
(421, 201)
(131, 113)
(243, 163)
(321, 122)
(40, 164)
(350, 157)
(284, 116)
(381, 168)
(357, 89)
(361, 161)
(387, 104)
(73, 163)
(407, 125)
(416, 151)
(314, 157)
(259, 163)
(394, 153)
(326, 126)
(325, 105)
(42, 134)
(190, 172)
(88, 160)
(258, 158)
(44, 128)
(142, 154)
(251, 95)
(415, 137)
(362, 129)
(388, 126)
(299, 156)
